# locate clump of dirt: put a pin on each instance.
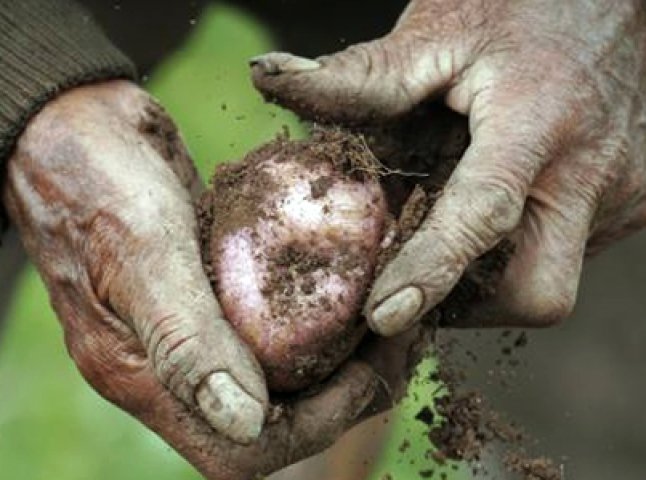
(540, 468)
(401, 229)
(228, 188)
(464, 427)
(321, 185)
(291, 271)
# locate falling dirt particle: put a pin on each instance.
(404, 446)
(320, 186)
(439, 457)
(532, 468)
(468, 427)
(426, 416)
(521, 341)
(413, 213)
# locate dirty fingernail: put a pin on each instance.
(229, 409)
(397, 312)
(278, 62)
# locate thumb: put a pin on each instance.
(192, 348)
(158, 287)
(370, 81)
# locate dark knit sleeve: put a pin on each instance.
(47, 46)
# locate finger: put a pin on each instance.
(193, 348)
(159, 288)
(319, 421)
(366, 82)
(540, 283)
(482, 202)
(431, 46)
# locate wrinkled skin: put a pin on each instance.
(111, 229)
(555, 94)
(100, 187)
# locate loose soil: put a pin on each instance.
(464, 427)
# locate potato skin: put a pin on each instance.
(292, 254)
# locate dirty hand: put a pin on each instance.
(555, 93)
(99, 187)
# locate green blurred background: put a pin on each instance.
(52, 426)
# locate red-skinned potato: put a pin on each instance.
(291, 237)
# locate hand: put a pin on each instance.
(555, 93)
(99, 188)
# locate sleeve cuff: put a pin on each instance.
(46, 47)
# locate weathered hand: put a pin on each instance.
(99, 188)
(555, 92)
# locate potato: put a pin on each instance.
(293, 233)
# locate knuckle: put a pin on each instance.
(374, 57)
(382, 74)
(547, 309)
(176, 365)
(490, 209)
(500, 206)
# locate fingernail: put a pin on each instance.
(279, 62)
(396, 313)
(229, 409)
